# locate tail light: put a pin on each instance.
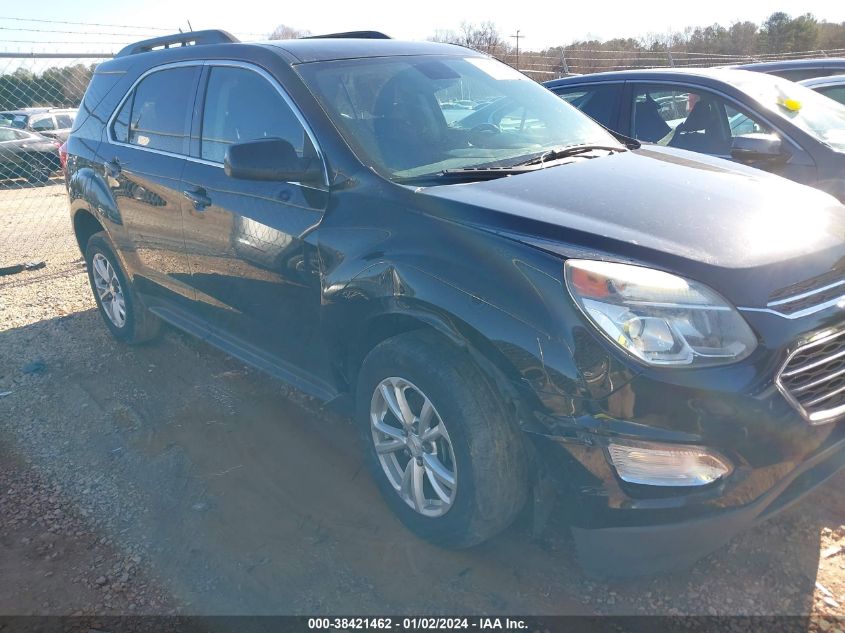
(63, 157)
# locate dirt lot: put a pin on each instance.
(171, 477)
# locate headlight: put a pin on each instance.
(659, 318)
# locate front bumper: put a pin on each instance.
(580, 393)
(643, 539)
(647, 549)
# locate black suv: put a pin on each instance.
(521, 309)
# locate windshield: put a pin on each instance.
(416, 116)
(13, 120)
(817, 115)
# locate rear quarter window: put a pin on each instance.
(156, 114)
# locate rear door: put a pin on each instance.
(251, 243)
(143, 159)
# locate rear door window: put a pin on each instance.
(64, 121)
(43, 124)
(600, 102)
(156, 115)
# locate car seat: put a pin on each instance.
(407, 129)
(648, 124)
(702, 131)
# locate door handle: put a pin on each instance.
(112, 168)
(198, 198)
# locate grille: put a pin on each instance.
(813, 378)
(807, 285)
(809, 301)
(808, 297)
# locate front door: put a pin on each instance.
(250, 243)
(699, 120)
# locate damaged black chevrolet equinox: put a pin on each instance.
(520, 310)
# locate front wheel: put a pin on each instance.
(439, 441)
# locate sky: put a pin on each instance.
(543, 23)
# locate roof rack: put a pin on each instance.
(195, 38)
(352, 35)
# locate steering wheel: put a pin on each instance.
(485, 127)
(481, 132)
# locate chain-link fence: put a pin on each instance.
(39, 94)
(541, 67)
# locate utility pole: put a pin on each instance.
(516, 37)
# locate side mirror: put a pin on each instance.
(270, 159)
(751, 148)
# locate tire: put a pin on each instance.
(484, 450)
(137, 324)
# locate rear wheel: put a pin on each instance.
(123, 314)
(439, 442)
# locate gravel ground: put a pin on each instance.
(55, 560)
(173, 478)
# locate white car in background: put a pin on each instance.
(832, 86)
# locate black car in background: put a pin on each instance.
(753, 118)
(798, 69)
(27, 155)
(52, 122)
(519, 311)
(832, 87)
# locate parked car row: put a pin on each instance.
(51, 122)
(30, 139)
(27, 155)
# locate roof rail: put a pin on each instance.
(211, 36)
(352, 35)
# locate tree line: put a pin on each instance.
(780, 33)
(58, 86)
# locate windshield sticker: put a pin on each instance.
(793, 105)
(496, 69)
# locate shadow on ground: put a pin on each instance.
(250, 500)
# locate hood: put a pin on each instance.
(691, 214)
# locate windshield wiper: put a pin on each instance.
(469, 174)
(465, 174)
(566, 152)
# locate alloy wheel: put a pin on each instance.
(109, 290)
(413, 447)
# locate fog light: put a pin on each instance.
(667, 464)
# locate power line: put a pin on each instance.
(47, 42)
(119, 26)
(15, 28)
(517, 37)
